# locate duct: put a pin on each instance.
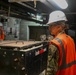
(26, 6)
(47, 4)
(16, 13)
(21, 0)
(18, 0)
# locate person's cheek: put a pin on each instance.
(53, 31)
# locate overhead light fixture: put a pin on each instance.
(61, 3)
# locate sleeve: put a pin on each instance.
(53, 57)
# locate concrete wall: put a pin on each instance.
(18, 29)
(24, 29)
(12, 29)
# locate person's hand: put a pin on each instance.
(43, 37)
(49, 37)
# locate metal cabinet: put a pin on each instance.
(23, 57)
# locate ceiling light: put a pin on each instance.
(61, 3)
